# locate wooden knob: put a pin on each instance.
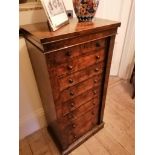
(70, 80)
(73, 125)
(93, 113)
(70, 67)
(96, 69)
(95, 81)
(94, 91)
(97, 57)
(97, 44)
(68, 53)
(71, 93)
(75, 136)
(70, 116)
(84, 46)
(72, 104)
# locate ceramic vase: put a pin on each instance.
(85, 9)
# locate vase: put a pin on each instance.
(85, 9)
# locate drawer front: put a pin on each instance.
(64, 108)
(62, 56)
(80, 76)
(91, 46)
(82, 125)
(80, 88)
(79, 64)
(51, 46)
(75, 114)
(76, 102)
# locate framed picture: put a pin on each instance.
(55, 12)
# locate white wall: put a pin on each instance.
(128, 60)
(31, 16)
(31, 115)
(31, 111)
(116, 10)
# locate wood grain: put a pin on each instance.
(80, 63)
(69, 53)
(37, 31)
(24, 148)
(96, 147)
(80, 76)
(77, 101)
(80, 88)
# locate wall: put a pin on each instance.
(31, 111)
(30, 13)
(128, 54)
(116, 10)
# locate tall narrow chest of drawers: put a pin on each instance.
(72, 66)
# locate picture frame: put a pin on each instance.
(56, 13)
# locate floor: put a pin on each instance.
(116, 138)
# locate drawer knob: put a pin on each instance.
(84, 46)
(96, 69)
(68, 53)
(74, 136)
(94, 92)
(73, 125)
(70, 116)
(72, 104)
(95, 81)
(70, 67)
(97, 44)
(70, 80)
(71, 93)
(97, 57)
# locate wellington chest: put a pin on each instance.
(72, 66)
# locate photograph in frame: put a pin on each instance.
(55, 12)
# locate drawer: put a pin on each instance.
(64, 108)
(59, 44)
(62, 56)
(93, 45)
(65, 55)
(80, 88)
(70, 124)
(80, 76)
(79, 64)
(76, 102)
(75, 114)
(82, 125)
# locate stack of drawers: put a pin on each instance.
(72, 67)
(78, 76)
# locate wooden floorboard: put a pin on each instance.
(116, 138)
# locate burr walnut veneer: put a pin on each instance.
(71, 66)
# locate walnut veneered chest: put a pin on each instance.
(71, 67)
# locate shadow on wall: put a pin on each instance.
(31, 112)
(32, 16)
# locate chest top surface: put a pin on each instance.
(41, 33)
